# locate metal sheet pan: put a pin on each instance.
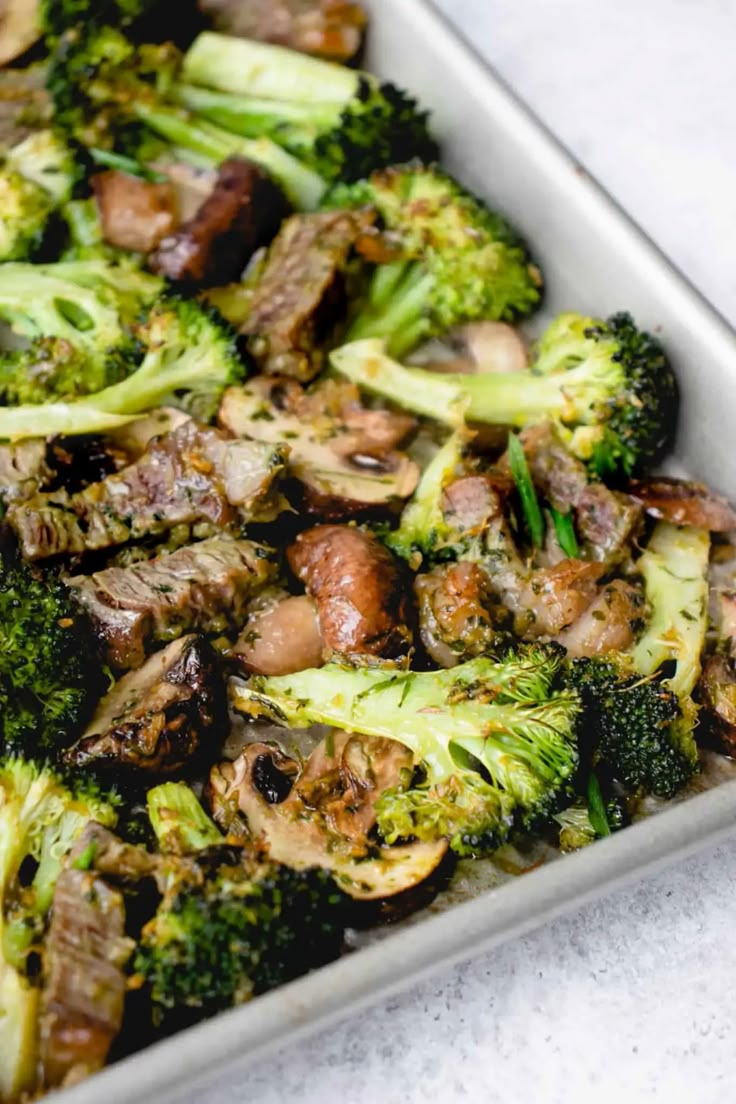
(594, 259)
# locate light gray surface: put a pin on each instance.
(632, 998)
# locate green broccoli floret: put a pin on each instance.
(114, 96)
(50, 674)
(342, 122)
(607, 387)
(36, 177)
(229, 926)
(179, 822)
(452, 260)
(423, 531)
(40, 817)
(191, 356)
(495, 740)
(632, 724)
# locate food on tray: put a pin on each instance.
(322, 570)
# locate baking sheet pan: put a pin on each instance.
(594, 260)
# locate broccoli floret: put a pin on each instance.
(452, 260)
(495, 740)
(341, 122)
(40, 817)
(607, 387)
(191, 356)
(674, 567)
(633, 725)
(50, 674)
(423, 531)
(179, 822)
(112, 95)
(56, 17)
(36, 177)
(229, 925)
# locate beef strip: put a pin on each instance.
(458, 618)
(135, 214)
(300, 296)
(359, 590)
(605, 519)
(242, 213)
(84, 981)
(158, 719)
(331, 29)
(24, 469)
(190, 475)
(204, 587)
(112, 857)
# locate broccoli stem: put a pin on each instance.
(52, 419)
(288, 123)
(303, 187)
(19, 1005)
(431, 395)
(423, 528)
(244, 67)
(178, 820)
(397, 302)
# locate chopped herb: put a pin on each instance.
(527, 494)
(565, 530)
(87, 857)
(596, 808)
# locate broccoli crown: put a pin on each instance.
(622, 393)
(59, 16)
(24, 212)
(423, 531)
(52, 368)
(496, 740)
(452, 259)
(98, 79)
(50, 674)
(631, 723)
(233, 928)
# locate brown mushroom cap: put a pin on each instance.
(19, 28)
(324, 820)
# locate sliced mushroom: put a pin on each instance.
(360, 592)
(320, 827)
(281, 636)
(684, 503)
(19, 28)
(341, 453)
(157, 719)
(134, 438)
(475, 349)
(717, 693)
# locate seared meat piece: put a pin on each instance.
(684, 503)
(300, 297)
(341, 453)
(135, 214)
(325, 819)
(717, 693)
(158, 719)
(331, 29)
(609, 624)
(25, 104)
(607, 520)
(111, 857)
(84, 981)
(458, 619)
(469, 504)
(189, 475)
(359, 589)
(132, 440)
(242, 213)
(205, 587)
(24, 469)
(281, 637)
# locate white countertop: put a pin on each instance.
(631, 999)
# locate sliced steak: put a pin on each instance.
(84, 980)
(135, 214)
(158, 719)
(359, 589)
(204, 587)
(24, 469)
(331, 29)
(605, 519)
(193, 474)
(458, 618)
(300, 297)
(242, 213)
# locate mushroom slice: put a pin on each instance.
(302, 831)
(281, 636)
(684, 503)
(717, 693)
(476, 349)
(19, 28)
(345, 460)
(157, 719)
